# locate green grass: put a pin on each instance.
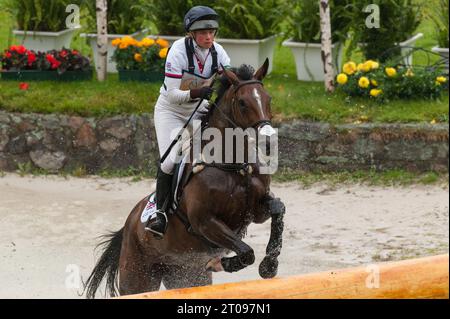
(369, 177)
(90, 98)
(307, 100)
(291, 99)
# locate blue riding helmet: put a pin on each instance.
(201, 18)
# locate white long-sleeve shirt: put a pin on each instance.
(177, 63)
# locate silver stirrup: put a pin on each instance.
(154, 216)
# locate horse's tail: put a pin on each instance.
(108, 265)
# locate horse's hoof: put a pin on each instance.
(268, 268)
(215, 265)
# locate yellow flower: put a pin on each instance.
(138, 57)
(409, 72)
(441, 79)
(342, 78)
(437, 83)
(433, 121)
(374, 83)
(123, 45)
(363, 82)
(391, 72)
(116, 42)
(373, 64)
(360, 66)
(162, 43)
(363, 118)
(129, 40)
(349, 68)
(146, 42)
(375, 92)
(163, 53)
(367, 66)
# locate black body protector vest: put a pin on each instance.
(190, 80)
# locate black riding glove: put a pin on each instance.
(203, 93)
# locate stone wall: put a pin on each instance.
(60, 142)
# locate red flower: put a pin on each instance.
(54, 63)
(23, 86)
(18, 48)
(31, 57)
(8, 55)
(21, 49)
(75, 52)
(63, 53)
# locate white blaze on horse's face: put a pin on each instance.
(257, 97)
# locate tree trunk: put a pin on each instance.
(327, 57)
(102, 39)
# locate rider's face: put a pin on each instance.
(205, 38)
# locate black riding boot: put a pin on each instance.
(157, 224)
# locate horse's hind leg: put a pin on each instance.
(220, 234)
(179, 277)
(135, 281)
(136, 274)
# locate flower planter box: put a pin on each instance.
(308, 59)
(253, 52)
(37, 75)
(140, 76)
(240, 51)
(169, 38)
(443, 52)
(111, 65)
(45, 41)
(407, 48)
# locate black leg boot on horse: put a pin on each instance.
(157, 224)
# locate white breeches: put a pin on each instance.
(168, 123)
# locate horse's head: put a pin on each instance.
(249, 102)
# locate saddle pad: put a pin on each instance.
(149, 209)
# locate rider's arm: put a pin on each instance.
(174, 94)
(175, 63)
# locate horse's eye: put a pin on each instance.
(241, 103)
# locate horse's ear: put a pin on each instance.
(262, 72)
(230, 76)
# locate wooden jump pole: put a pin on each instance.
(415, 278)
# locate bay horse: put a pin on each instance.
(216, 207)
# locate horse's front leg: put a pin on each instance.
(221, 235)
(275, 208)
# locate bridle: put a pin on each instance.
(234, 102)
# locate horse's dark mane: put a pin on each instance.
(244, 72)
